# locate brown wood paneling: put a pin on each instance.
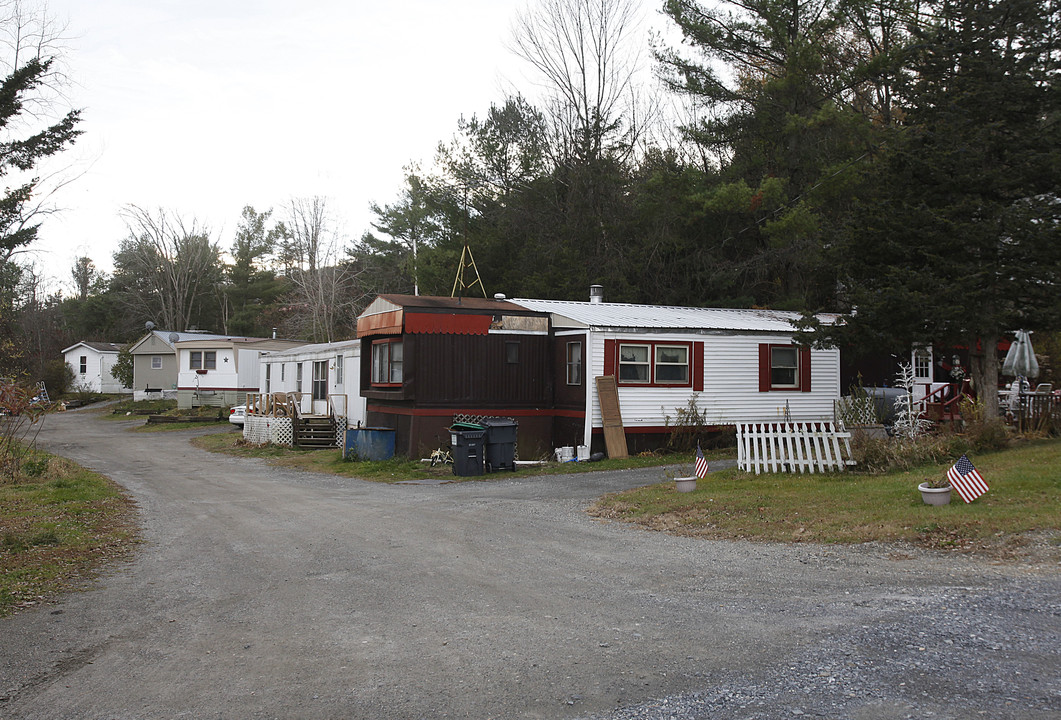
(474, 370)
(611, 417)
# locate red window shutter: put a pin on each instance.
(764, 367)
(804, 369)
(609, 357)
(698, 366)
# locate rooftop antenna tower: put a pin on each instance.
(459, 284)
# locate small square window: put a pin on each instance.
(156, 362)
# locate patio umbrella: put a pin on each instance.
(1020, 360)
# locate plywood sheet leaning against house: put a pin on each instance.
(611, 417)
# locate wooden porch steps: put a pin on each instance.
(315, 431)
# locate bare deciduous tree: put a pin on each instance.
(326, 292)
(166, 266)
(587, 53)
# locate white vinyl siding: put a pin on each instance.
(731, 382)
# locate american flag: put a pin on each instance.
(966, 480)
(701, 462)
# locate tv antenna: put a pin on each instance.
(466, 261)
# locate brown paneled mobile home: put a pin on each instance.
(428, 361)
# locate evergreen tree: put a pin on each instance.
(959, 240)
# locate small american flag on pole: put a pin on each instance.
(701, 462)
(966, 480)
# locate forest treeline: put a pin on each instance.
(895, 161)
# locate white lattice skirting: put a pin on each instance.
(261, 430)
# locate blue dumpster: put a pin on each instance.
(369, 443)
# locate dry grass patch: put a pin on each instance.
(850, 508)
(58, 527)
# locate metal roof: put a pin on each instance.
(103, 347)
(311, 348)
(662, 317)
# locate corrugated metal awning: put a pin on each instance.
(447, 323)
(381, 323)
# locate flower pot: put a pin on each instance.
(934, 496)
(685, 484)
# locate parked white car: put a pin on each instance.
(237, 414)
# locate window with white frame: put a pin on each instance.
(387, 358)
(574, 363)
(320, 380)
(672, 365)
(83, 363)
(634, 364)
(655, 364)
(203, 360)
(339, 369)
(784, 367)
(156, 362)
(923, 364)
(283, 371)
(298, 377)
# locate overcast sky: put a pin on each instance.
(204, 106)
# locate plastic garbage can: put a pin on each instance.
(500, 444)
(466, 442)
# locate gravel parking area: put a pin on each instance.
(268, 593)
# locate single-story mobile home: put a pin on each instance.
(730, 365)
(219, 371)
(325, 375)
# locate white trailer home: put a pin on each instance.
(220, 371)
(732, 365)
(324, 377)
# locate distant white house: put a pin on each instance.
(92, 363)
(328, 376)
(218, 370)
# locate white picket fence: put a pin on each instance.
(804, 447)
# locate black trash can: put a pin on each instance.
(466, 441)
(500, 444)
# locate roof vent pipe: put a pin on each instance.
(596, 294)
(274, 333)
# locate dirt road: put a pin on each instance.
(266, 593)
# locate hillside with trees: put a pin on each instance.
(893, 160)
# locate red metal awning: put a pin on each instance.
(447, 323)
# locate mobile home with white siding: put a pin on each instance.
(325, 377)
(734, 365)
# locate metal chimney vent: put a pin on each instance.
(596, 294)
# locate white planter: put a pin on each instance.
(934, 496)
(685, 484)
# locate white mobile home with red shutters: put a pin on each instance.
(734, 365)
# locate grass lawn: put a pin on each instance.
(1024, 497)
(57, 527)
(401, 469)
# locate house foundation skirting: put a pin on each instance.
(259, 430)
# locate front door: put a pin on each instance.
(320, 387)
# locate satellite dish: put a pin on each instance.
(149, 325)
(174, 337)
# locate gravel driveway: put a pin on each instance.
(268, 593)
